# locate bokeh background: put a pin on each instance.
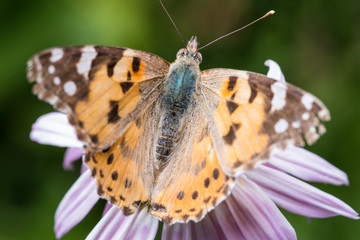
(317, 44)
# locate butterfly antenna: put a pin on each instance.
(266, 15)
(177, 30)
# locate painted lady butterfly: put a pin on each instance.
(170, 136)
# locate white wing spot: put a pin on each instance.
(38, 69)
(278, 101)
(307, 100)
(305, 116)
(56, 80)
(312, 129)
(56, 54)
(51, 69)
(281, 126)
(70, 88)
(84, 64)
(296, 124)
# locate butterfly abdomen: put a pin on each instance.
(178, 96)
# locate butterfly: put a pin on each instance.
(169, 136)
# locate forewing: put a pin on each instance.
(193, 182)
(252, 115)
(101, 89)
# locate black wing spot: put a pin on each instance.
(113, 115)
(110, 159)
(195, 195)
(93, 172)
(231, 106)
(158, 207)
(114, 175)
(216, 173)
(110, 67)
(180, 195)
(94, 138)
(127, 211)
(230, 136)
(136, 64)
(125, 86)
(253, 91)
(127, 183)
(100, 189)
(113, 200)
(237, 125)
(185, 217)
(232, 82)
(207, 182)
(87, 157)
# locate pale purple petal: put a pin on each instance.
(107, 208)
(176, 231)
(227, 222)
(76, 204)
(114, 225)
(274, 71)
(256, 215)
(297, 196)
(208, 228)
(308, 166)
(71, 155)
(54, 129)
(84, 167)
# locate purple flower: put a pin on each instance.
(250, 212)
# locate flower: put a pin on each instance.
(249, 212)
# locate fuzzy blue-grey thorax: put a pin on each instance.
(179, 94)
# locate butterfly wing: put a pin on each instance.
(193, 182)
(124, 172)
(101, 89)
(252, 115)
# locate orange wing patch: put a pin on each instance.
(106, 98)
(195, 191)
(241, 133)
(120, 174)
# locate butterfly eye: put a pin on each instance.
(199, 57)
(181, 53)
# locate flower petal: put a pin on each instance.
(177, 231)
(106, 208)
(114, 225)
(227, 222)
(54, 129)
(274, 71)
(308, 166)
(71, 155)
(256, 215)
(208, 228)
(76, 204)
(297, 196)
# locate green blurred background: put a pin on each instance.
(317, 44)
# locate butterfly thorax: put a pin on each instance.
(179, 94)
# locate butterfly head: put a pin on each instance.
(190, 51)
